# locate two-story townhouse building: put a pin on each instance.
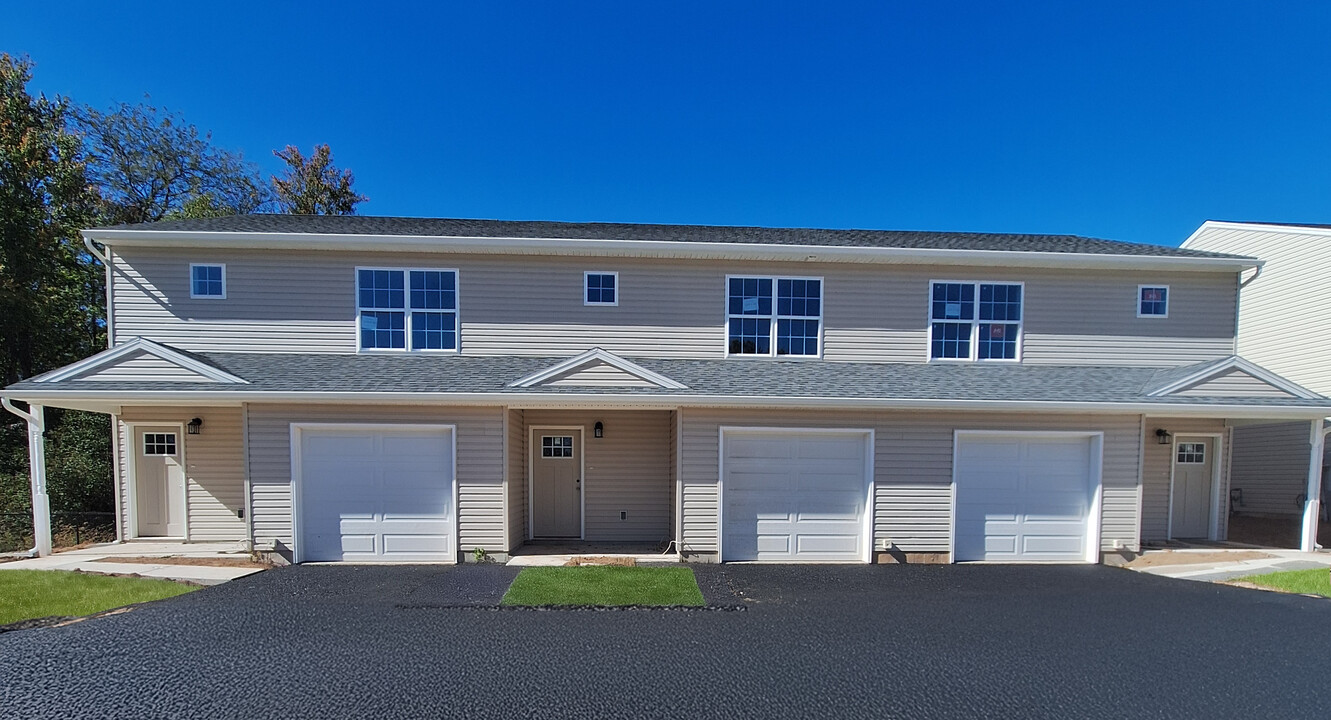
(395, 389)
(1282, 326)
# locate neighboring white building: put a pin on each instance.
(1283, 326)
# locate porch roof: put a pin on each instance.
(289, 375)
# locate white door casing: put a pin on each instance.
(374, 492)
(555, 482)
(158, 481)
(795, 495)
(1192, 487)
(1026, 496)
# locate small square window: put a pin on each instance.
(557, 446)
(1153, 301)
(1191, 453)
(600, 288)
(207, 281)
(159, 443)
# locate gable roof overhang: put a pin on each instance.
(593, 357)
(110, 357)
(1220, 367)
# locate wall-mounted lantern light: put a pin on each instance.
(1163, 437)
(194, 426)
(598, 430)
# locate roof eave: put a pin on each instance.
(658, 248)
(661, 401)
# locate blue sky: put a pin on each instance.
(1127, 120)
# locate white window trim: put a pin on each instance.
(192, 295)
(407, 311)
(975, 323)
(774, 317)
(587, 274)
(1168, 294)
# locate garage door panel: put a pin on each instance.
(794, 497)
(376, 495)
(1023, 499)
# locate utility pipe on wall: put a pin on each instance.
(41, 502)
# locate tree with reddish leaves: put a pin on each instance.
(313, 185)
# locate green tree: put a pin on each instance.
(51, 291)
(148, 164)
(313, 185)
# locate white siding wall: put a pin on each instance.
(1157, 464)
(214, 469)
(1283, 318)
(481, 508)
(912, 468)
(282, 301)
(628, 470)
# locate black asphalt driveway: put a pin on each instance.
(872, 641)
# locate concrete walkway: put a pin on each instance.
(102, 559)
(1217, 570)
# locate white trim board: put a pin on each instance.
(295, 445)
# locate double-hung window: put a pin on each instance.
(974, 320)
(407, 309)
(774, 316)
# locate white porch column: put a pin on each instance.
(1313, 506)
(41, 502)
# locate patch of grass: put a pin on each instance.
(1308, 582)
(26, 594)
(604, 585)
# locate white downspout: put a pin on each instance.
(1312, 507)
(41, 502)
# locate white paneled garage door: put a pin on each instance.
(794, 496)
(375, 494)
(1026, 497)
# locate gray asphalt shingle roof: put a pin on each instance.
(731, 377)
(446, 227)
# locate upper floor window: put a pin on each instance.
(774, 316)
(407, 309)
(600, 288)
(1153, 301)
(974, 321)
(207, 281)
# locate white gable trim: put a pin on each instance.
(1234, 363)
(592, 356)
(140, 344)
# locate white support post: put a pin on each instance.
(41, 502)
(1312, 507)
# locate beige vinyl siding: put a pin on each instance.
(214, 469)
(599, 375)
(1282, 313)
(286, 301)
(142, 367)
(1271, 467)
(1157, 465)
(628, 471)
(517, 478)
(481, 511)
(1234, 383)
(912, 468)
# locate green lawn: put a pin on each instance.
(604, 585)
(1310, 582)
(26, 594)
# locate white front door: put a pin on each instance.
(556, 483)
(1193, 473)
(375, 494)
(794, 496)
(159, 482)
(1024, 498)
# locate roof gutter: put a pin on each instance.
(629, 400)
(659, 248)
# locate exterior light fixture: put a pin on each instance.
(1163, 437)
(598, 430)
(194, 426)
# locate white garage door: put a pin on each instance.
(1025, 498)
(376, 495)
(794, 496)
